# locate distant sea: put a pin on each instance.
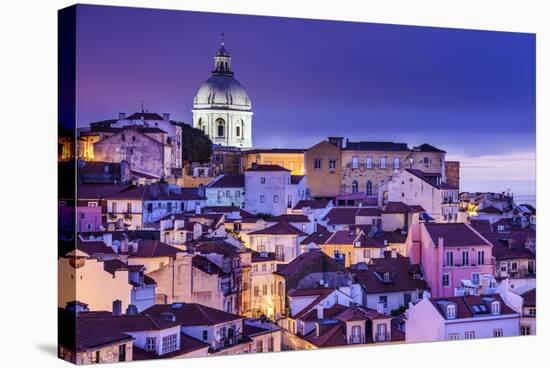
(526, 199)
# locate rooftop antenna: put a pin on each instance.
(142, 106)
(223, 39)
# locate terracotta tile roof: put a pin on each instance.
(490, 209)
(464, 305)
(188, 344)
(145, 116)
(311, 203)
(219, 209)
(359, 314)
(369, 211)
(280, 228)
(341, 216)
(126, 322)
(228, 181)
(193, 314)
(431, 179)
(152, 249)
(376, 146)
(454, 235)
(345, 237)
(266, 168)
(511, 244)
(530, 298)
(206, 265)
(328, 313)
(94, 247)
(303, 261)
(481, 226)
(400, 207)
(400, 273)
(319, 293)
(427, 148)
(331, 334)
(296, 179)
(99, 191)
(318, 237)
(80, 336)
(289, 218)
(218, 246)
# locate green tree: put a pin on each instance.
(196, 146)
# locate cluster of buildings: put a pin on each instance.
(261, 250)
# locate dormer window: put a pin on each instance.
(451, 311)
(495, 308)
(386, 277)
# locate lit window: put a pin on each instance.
(355, 162)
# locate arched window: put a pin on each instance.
(239, 129)
(369, 188)
(355, 187)
(495, 308)
(220, 124)
(200, 125)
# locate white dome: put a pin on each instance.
(222, 91)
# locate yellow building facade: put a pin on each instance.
(291, 159)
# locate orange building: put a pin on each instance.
(291, 159)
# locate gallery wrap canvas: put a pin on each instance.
(235, 184)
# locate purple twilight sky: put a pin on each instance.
(471, 93)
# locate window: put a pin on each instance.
(503, 266)
(264, 267)
(356, 335)
(169, 343)
(262, 198)
(149, 207)
(396, 162)
(495, 308)
(446, 282)
(465, 258)
(169, 207)
(449, 259)
(475, 278)
(368, 162)
(256, 290)
(150, 343)
(113, 207)
(426, 161)
(259, 346)
(366, 253)
(480, 257)
(453, 336)
(332, 164)
(220, 127)
(369, 188)
(355, 162)
(525, 330)
(383, 161)
(204, 335)
(317, 164)
(532, 312)
(514, 266)
(238, 131)
(291, 165)
(275, 198)
(469, 335)
(384, 300)
(451, 311)
(406, 299)
(270, 344)
(122, 353)
(497, 332)
(264, 289)
(262, 180)
(355, 186)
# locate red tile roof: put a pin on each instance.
(311, 203)
(454, 235)
(228, 181)
(280, 228)
(369, 211)
(341, 215)
(490, 209)
(94, 247)
(206, 265)
(152, 249)
(193, 314)
(266, 168)
(511, 244)
(126, 322)
(400, 207)
(296, 179)
(345, 237)
(430, 179)
(400, 271)
(481, 226)
(530, 298)
(318, 237)
(289, 218)
(464, 305)
(302, 262)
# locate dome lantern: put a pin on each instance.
(222, 60)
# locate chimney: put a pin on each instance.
(320, 311)
(121, 115)
(198, 209)
(124, 244)
(380, 307)
(166, 116)
(510, 243)
(117, 307)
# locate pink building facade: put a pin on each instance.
(452, 255)
(88, 218)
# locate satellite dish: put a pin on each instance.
(321, 282)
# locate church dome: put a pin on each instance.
(222, 90)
